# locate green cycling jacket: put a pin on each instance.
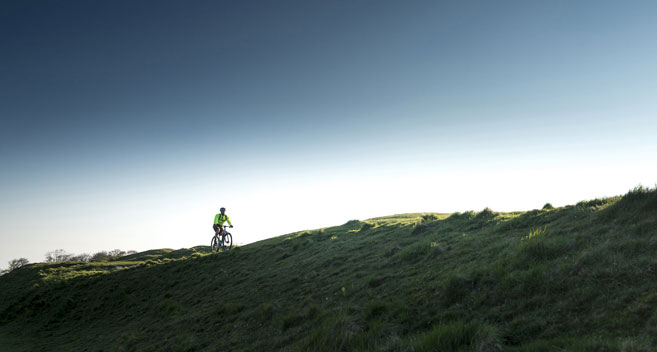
(220, 219)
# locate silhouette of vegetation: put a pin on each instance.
(429, 218)
(84, 257)
(15, 264)
(58, 255)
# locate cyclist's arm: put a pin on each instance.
(228, 219)
(216, 219)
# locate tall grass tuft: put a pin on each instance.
(454, 289)
(458, 336)
(644, 198)
(335, 334)
(419, 250)
(634, 204)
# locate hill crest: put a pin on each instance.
(581, 278)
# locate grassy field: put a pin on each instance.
(576, 278)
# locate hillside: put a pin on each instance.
(576, 278)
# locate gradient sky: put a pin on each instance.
(127, 124)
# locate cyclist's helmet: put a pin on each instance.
(222, 209)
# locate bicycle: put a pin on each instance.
(225, 242)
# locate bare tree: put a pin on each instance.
(17, 263)
(58, 255)
(84, 257)
(116, 253)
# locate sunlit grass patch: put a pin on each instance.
(535, 233)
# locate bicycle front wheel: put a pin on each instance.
(214, 244)
(228, 241)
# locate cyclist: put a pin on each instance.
(219, 220)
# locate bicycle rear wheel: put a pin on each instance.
(228, 241)
(214, 244)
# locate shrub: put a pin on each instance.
(548, 206)
(366, 226)
(429, 218)
(352, 223)
(486, 214)
(98, 256)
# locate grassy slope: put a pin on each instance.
(581, 278)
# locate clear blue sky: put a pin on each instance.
(127, 124)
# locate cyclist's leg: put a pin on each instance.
(215, 227)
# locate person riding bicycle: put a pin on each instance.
(219, 221)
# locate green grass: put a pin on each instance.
(575, 278)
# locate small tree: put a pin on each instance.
(17, 263)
